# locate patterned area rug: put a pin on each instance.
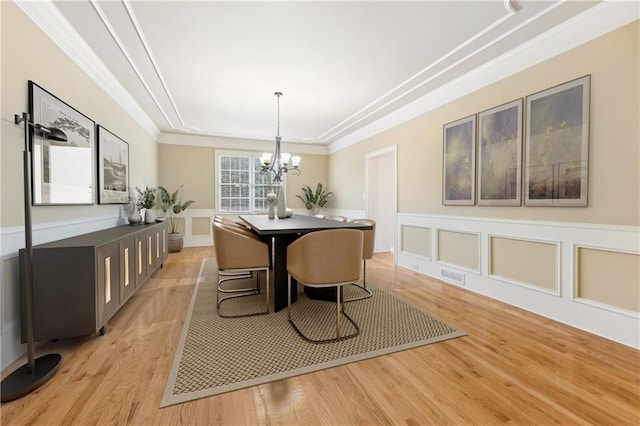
(217, 355)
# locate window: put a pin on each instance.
(241, 186)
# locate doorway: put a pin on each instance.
(381, 196)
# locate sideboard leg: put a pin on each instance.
(103, 330)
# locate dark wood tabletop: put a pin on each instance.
(284, 232)
(296, 224)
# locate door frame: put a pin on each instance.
(393, 149)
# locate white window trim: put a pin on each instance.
(225, 153)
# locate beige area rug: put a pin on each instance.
(217, 355)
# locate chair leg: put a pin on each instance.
(363, 286)
(231, 276)
(235, 275)
(339, 312)
(243, 293)
(289, 298)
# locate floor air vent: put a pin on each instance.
(456, 277)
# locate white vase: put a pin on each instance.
(271, 201)
(135, 218)
(282, 204)
(149, 216)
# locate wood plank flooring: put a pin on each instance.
(513, 367)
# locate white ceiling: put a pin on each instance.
(211, 68)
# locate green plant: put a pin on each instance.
(146, 199)
(312, 198)
(173, 204)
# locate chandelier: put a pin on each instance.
(279, 163)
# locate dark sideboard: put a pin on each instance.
(79, 283)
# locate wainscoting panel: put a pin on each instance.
(196, 225)
(416, 240)
(460, 249)
(201, 226)
(583, 275)
(608, 277)
(10, 293)
(530, 263)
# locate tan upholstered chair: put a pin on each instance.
(244, 228)
(238, 227)
(238, 253)
(328, 258)
(367, 253)
(338, 218)
(231, 222)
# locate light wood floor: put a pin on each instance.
(513, 367)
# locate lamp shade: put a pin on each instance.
(51, 133)
(265, 159)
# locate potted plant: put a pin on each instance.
(171, 202)
(314, 200)
(146, 200)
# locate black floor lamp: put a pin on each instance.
(36, 371)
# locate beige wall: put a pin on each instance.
(314, 170)
(28, 54)
(614, 177)
(192, 167)
(195, 168)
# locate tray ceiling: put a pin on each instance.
(211, 68)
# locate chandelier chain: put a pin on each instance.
(279, 163)
(278, 94)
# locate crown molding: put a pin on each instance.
(421, 78)
(238, 144)
(593, 23)
(51, 21)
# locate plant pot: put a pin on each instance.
(176, 242)
(149, 216)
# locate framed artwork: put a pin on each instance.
(459, 162)
(113, 168)
(63, 172)
(557, 145)
(500, 155)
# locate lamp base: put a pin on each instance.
(22, 381)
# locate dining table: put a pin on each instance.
(283, 232)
